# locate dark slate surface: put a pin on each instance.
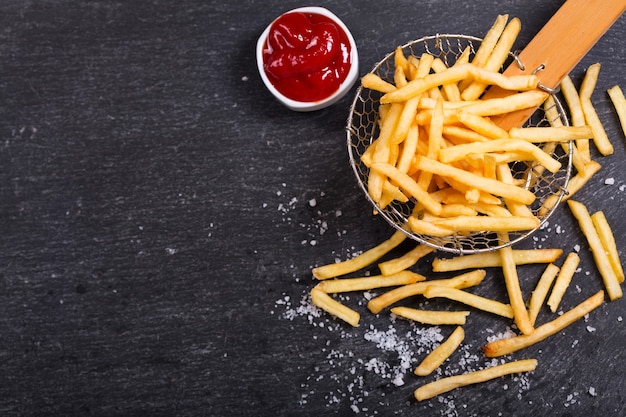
(160, 213)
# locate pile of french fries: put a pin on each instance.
(438, 145)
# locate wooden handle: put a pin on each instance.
(559, 46)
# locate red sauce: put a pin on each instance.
(306, 56)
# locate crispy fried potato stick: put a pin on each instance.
(469, 279)
(475, 181)
(408, 185)
(431, 316)
(446, 384)
(405, 261)
(442, 352)
(608, 242)
(374, 82)
(538, 296)
(361, 261)
(551, 134)
(368, 283)
(472, 300)
(563, 279)
(611, 282)
(487, 223)
(493, 259)
(455, 153)
(509, 270)
(519, 101)
(334, 307)
(619, 102)
(506, 346)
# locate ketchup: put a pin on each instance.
(306, 56)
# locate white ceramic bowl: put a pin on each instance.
(343, 88)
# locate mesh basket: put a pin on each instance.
(362, 129)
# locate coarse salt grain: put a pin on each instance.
(609, 181)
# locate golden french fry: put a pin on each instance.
(551, 134)
(490, 40)
(408, 185)
(451, 90)
(600, 138)
(374, 82)
(431, 316)
(513, 344)
(487, 223)
(449, 383)
(496, 59)
(334, 307)
(493, 259)
(619, 102)
(563, 280)
(466, 280)
(424, 227)
(361, 261)
(482, 125)
(368, 283)
(511, 280)
(442, 352)
(572, 99)
(605, 234)
(472, 300)
(409, 148)
(458, 152)
(400, 60)
(457, 135)
(484, 184)
(590, 79)
(421, 85)
(511, 103)
(611, 282)
(504, 174)
(538, 296)
(405, 261)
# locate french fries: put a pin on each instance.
(446, 384)
(563, 280)
(617, 97)
(438, 145)
(506, 346)
(442, 352)
(360, 261)
(431, 316)
(604, 265)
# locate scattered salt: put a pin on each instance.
(609, 181)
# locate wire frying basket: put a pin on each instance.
(362, 129)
